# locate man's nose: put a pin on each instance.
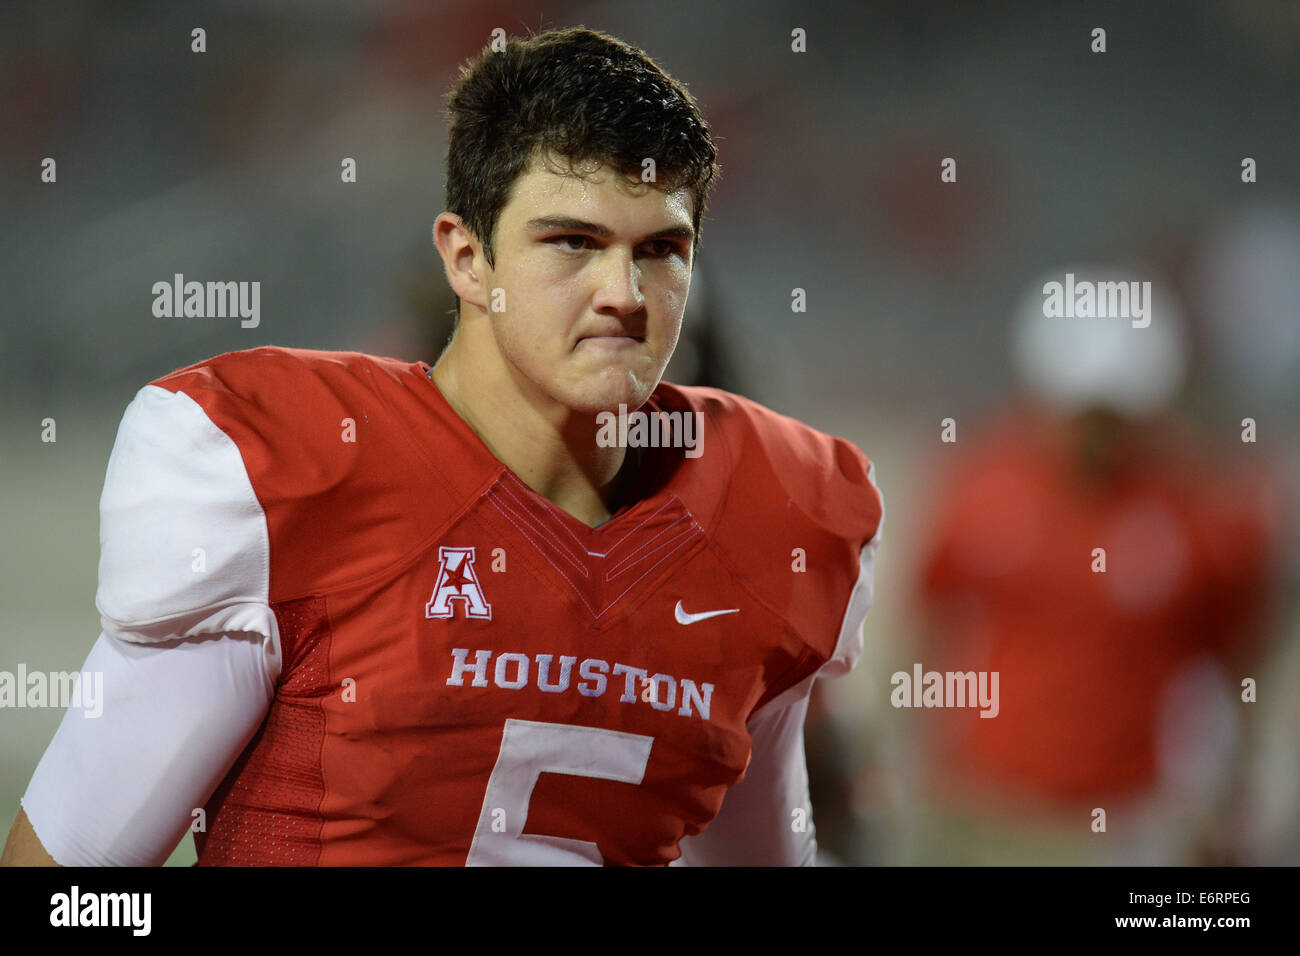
(619, 279)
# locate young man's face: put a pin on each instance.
(595, 272)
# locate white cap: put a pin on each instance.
(1080, 339)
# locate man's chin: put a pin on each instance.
(628, 390)
(609, 400)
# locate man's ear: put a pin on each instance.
(462, 258)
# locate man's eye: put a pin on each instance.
(662, 248)
(566, 242)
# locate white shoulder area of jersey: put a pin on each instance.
(184, 546)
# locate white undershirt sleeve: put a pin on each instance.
(753, 828)
(121, 788)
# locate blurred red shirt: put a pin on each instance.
(1084, 657)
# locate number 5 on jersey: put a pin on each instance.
(530, 748)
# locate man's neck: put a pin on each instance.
(552, 451)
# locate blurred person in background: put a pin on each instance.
(1120, 669)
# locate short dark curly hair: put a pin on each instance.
(576, 95)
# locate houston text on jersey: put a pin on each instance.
(513, 672)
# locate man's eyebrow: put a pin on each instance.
(548, 223)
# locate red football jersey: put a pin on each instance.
(470, 675)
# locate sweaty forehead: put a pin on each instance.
(551, 187)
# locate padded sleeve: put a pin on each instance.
(184, 546)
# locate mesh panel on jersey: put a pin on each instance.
(267, 810)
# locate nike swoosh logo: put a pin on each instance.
(685, 618)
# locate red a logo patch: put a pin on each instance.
(457, 582)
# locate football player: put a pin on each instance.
(365, 611)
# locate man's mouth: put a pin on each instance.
(610, 341)
(612, 338)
